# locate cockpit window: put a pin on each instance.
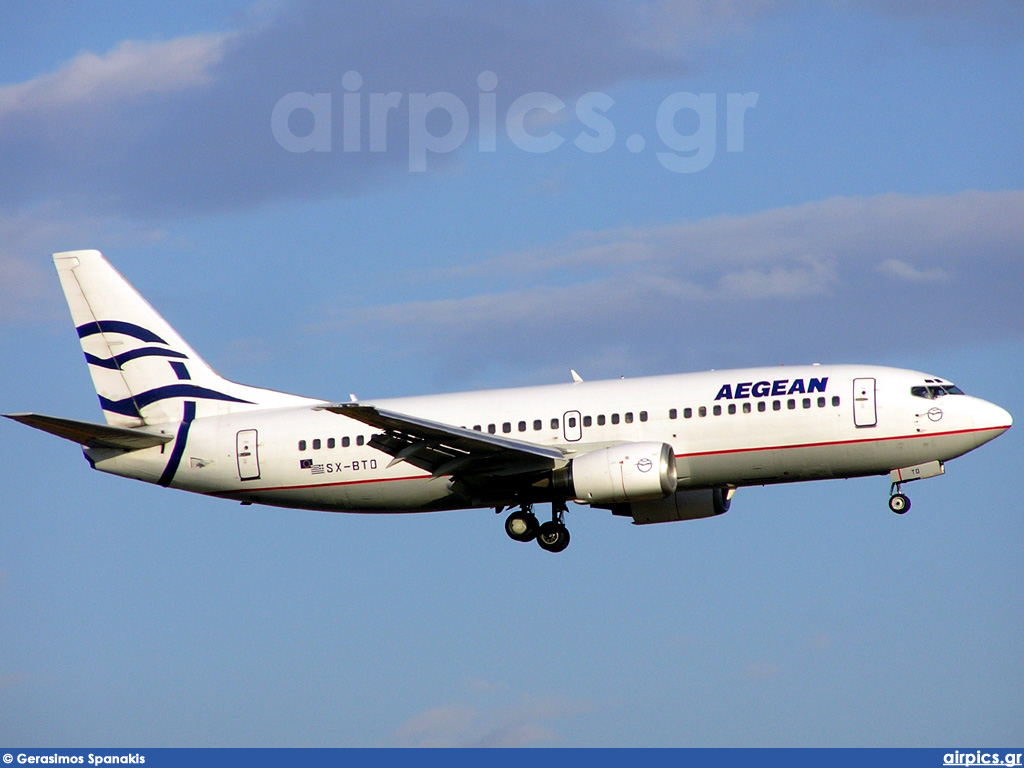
(933, 391)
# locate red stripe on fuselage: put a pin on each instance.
(321, 485)
(842, 442)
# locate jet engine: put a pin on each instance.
(622, 473)
(682, 505)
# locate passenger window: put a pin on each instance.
(746, 407)
(537, 425)
(821, 402)
(316, 444)
(643, 415)
(477, 428)
(522, 426)
(672, 413)
(776, 405)
(615, 418)
(807, 402)
(302, 445)
(587, 421)
(506, 427)
(554, 423)
(702, 411)
(687, 413)
(717, 410)
(360, 440)
(572, 422)
(330, 442)
(835, 400)
(346, 442)
(600, 420)
(491, 429)
(629, 417)
(761, 407)
(791, 404)
(732, 409)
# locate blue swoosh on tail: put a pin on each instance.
(118, 326)
(117, 362)
(131, 406)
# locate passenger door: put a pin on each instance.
(248, 455)
(865, 413)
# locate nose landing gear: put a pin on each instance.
(553, 536)
(898, 502)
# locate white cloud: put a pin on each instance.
(23, 286)
(671, 24)
(522, 722)
(824, 280)
(29, 289)
(816, 277)
(901, 270)
(95, 123)
(132, 69)
(914, 229)
(440, 726)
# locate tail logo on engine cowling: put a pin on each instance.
(645, 464)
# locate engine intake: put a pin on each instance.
(621, 473)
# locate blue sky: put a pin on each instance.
(873, 211)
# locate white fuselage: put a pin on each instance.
(726, 429)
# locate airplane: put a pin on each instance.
(656, 449)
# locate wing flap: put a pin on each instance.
(91, 435)
(443, 449)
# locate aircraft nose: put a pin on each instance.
(990, 416)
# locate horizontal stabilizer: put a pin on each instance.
(92, 435)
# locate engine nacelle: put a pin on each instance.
(629, 472)
(682, 505)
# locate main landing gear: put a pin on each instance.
(522, 525)
(898, 502)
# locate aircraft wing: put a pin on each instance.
(92, 435)
(442, 449)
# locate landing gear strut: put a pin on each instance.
(554, 536)
(522, 525)
(898, 502)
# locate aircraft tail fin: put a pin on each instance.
(143, 371)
